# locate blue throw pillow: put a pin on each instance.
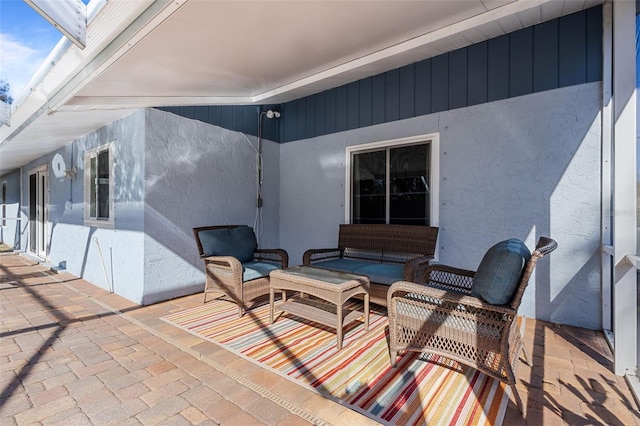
(499, 272)
(239, 242)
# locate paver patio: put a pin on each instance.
(72, 353)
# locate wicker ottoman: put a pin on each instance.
(330, 291)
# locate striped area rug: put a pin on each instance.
(419, 390)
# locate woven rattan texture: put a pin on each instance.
(224, 273)
(326, 306)
(407, 245)
(438, 316)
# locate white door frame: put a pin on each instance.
(41, 226)
(620, 262)
(624, 282)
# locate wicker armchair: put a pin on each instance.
(236, 279)
(441, 317)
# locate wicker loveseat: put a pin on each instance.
(234, 265)
(444, 314)
(383, 253)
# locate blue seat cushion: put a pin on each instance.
(254, 270)
(377, 272)
(381, 273)
(239, 242)
(344, 265)
(499, 272)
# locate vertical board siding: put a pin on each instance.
(310, 115)
(269, 127)
(498, 65)
(202, 113)
(440, 83)
(321, 128)
(366, 102)
(250, 113)
(188, 111)
(330, 108)
(521, 62)
(353, 105)
(594, 44)
(392, 95)
(458, 78)
(341, 108)
(301, 115)
(238, 117)
(215, 115)
(477, 76)
(572, 45)
(423, 87)
(227, 117)
(288, 129)
(545, 56)
(407, 92)
(241, 118)
(557, 53)
(377, 99)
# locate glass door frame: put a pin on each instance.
(38, 211)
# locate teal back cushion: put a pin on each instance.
(499, 272)
(239, 242)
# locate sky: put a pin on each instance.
(26, 39)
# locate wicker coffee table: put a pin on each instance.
(330, 289)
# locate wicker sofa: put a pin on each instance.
(383, 253)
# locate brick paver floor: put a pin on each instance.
(74, 354)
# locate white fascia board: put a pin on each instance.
(85, 103)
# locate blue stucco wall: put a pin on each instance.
(111, 258)
(171, 174)
(197, 174)
(523, 167)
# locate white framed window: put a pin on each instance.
(98, 186)
(394, 181)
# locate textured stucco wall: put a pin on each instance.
(197, 174)
(171, 174)
(10, 232)
(118, 251)
(522, 167)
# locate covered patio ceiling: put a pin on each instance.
(193, 52)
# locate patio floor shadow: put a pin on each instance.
(72, 353)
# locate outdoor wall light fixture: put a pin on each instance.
(271, 114)
(70, 173)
